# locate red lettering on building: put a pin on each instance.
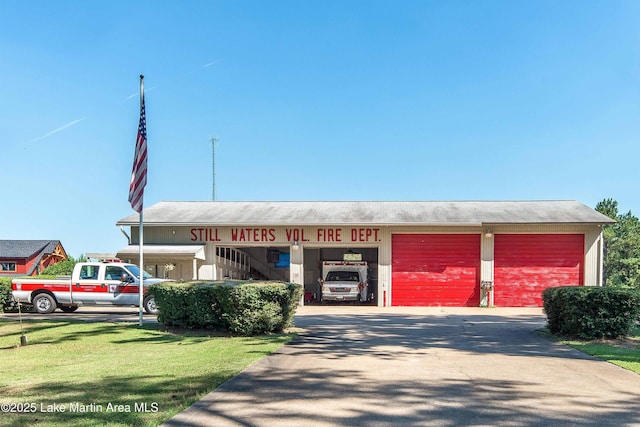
(253, 234)
(364, 234)
(295, 234)
(205, 235)
(329, 234)
(194, 234)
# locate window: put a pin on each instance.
(343, 276)
(89, 272)
(135, 270)
(7, 266)
(114, 273)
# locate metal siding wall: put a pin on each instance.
(592, 260)
(436, 270)
(539, 228)
(439, 229)
(384, 270)
(486, 271)
(158, 235)
(296, 267)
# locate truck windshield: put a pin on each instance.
(343, 276)
(136, 272)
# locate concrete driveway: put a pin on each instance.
(422, 366)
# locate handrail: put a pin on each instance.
(269, 269)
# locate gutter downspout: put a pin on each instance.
(125, 235)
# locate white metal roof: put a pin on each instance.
(222, 213)
(195, 251)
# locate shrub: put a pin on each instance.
(256, 308)
(248, 308)
(6, 299)
(62, 268)
(195, 305)
(591, 312)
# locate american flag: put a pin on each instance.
(139, 171)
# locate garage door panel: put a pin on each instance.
(526, 265)
(435, 270)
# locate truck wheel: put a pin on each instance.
(149, 304)
(68, 308)
(44, 304)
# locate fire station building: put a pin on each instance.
(420, 253)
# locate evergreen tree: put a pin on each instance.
(621, 246)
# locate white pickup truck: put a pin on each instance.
(344, 281)
(92, 283)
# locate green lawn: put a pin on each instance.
(119, 374)
(624, 353)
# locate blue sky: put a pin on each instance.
(312, 100)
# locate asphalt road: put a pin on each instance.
(89, 314)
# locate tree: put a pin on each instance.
(621, 246)
(63, 268)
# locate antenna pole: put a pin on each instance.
(214, 143)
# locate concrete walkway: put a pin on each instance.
(370, 366)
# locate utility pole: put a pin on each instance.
(214, 144)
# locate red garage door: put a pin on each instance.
(435, 269)
(525, 265)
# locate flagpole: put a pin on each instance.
(141, 272)
(140, 229)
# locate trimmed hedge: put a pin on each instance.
(589, 312)
(244, 308)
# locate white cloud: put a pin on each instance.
(61, 128)
(211, 63)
